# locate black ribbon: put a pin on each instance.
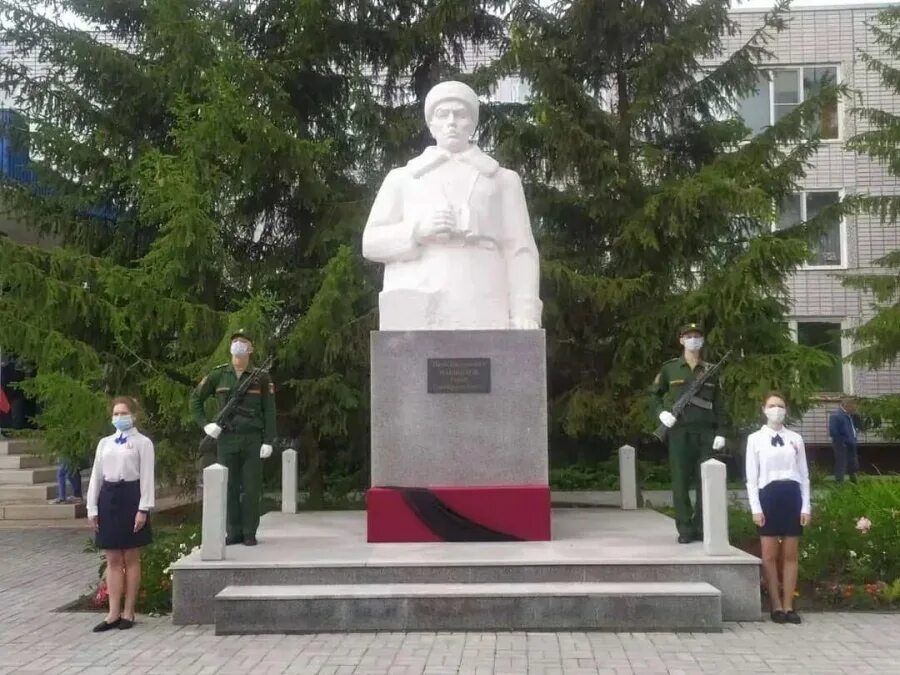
(777, 440)
(446, 523)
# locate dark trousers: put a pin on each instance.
(689, 447)
(846, 460)
(240, 454)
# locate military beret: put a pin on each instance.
(690, 327)
(241, 333)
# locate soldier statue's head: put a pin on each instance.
(451, 111)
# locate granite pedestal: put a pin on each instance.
(461, 417)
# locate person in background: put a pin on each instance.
(121, 494)
(73, 476)
(779, 496)
(843, 426)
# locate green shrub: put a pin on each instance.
(835, 549)
(605, 476)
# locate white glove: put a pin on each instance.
(667, 418)
(265, 451)
(212, 430)
(718, 442)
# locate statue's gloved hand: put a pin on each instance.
(437, 227)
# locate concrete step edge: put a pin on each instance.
(464, 590)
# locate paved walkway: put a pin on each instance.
(40, 570)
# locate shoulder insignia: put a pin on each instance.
(658, 378)
(220, 366)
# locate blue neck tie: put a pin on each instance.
(777, 440)
(121, 440)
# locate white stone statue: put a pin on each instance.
(453, 232)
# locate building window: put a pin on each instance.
(825, 335)
(779, 91)
(511, 90)
(798, 208)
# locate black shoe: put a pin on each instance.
(792, 617)
(102, 627)
(233, 539)
(684, 539)
(125, 624)
(250, 541)
(778, 616)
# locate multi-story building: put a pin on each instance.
(822, 45)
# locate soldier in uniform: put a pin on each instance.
(245, 441)
(695, 435)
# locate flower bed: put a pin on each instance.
(850, 555)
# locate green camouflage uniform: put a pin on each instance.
(252, 425)
(691, 439)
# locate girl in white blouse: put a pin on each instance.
(778, 491)
(120, 495)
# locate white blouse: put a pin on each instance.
(767, 463)
(131, 460)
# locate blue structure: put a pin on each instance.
(15, 160)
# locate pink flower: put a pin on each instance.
(863, 524)
(102, 595)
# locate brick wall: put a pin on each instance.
(834, 37)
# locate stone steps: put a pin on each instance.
(27, 494)
(27, 484)
(695, 607)
(42, 511)
(35, 476)
(21, 462)
(14, 447)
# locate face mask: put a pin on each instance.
(775, 414)
(239, 348)
(123, 422)
(693, 344)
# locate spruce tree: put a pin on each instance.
(653, 205)
(205, 166)
(878, 339)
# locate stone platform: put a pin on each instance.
(605, 570)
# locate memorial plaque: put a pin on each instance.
(459, 376)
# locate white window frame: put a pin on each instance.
(846, 346)
(838, 76)
(842, 228)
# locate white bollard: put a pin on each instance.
(714, 478)
(628, 478)
(215, 506)
(289, 481)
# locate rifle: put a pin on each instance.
(226, 414)
(688, 396)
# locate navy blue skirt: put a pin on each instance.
(117, 506)
(781, 503)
